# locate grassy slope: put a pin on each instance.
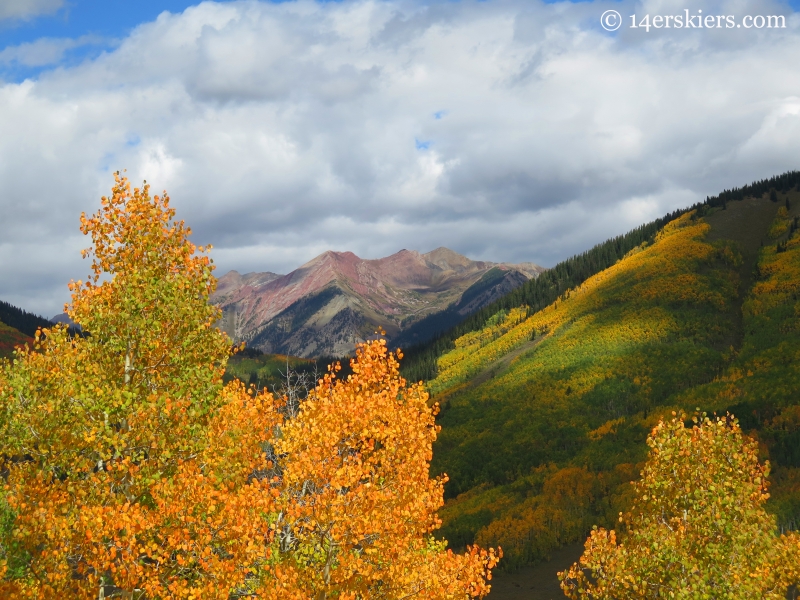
(544, 446)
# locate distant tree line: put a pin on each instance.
(269, 371)
(21, 320)
(421, 360)
(778, 183)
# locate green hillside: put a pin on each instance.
(545, 415)
(421, 360)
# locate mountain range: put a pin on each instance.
(328, 305)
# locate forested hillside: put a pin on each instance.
(17, 327)
(421, 359)
(545, 409)
(21, 319)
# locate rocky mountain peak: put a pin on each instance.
(390, 292)
(448, 260)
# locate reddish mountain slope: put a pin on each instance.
(10, 338)
(336, 299)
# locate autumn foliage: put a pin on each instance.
(697, 529)
(131, 470)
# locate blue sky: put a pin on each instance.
(103, 24)
(507, 130)
(112, 18)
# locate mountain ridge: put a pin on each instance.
(387, 293)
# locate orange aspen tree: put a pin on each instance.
(357, 505)
(128, 460)
(698, 528)
(131, 471)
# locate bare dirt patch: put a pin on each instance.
(538, 582)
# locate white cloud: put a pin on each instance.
(507, 130)
(25, 9)
(44, 51)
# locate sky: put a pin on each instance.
(507, 130)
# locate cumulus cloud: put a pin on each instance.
(26, 9)
(507, 130)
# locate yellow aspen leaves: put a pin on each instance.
(697, 529)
